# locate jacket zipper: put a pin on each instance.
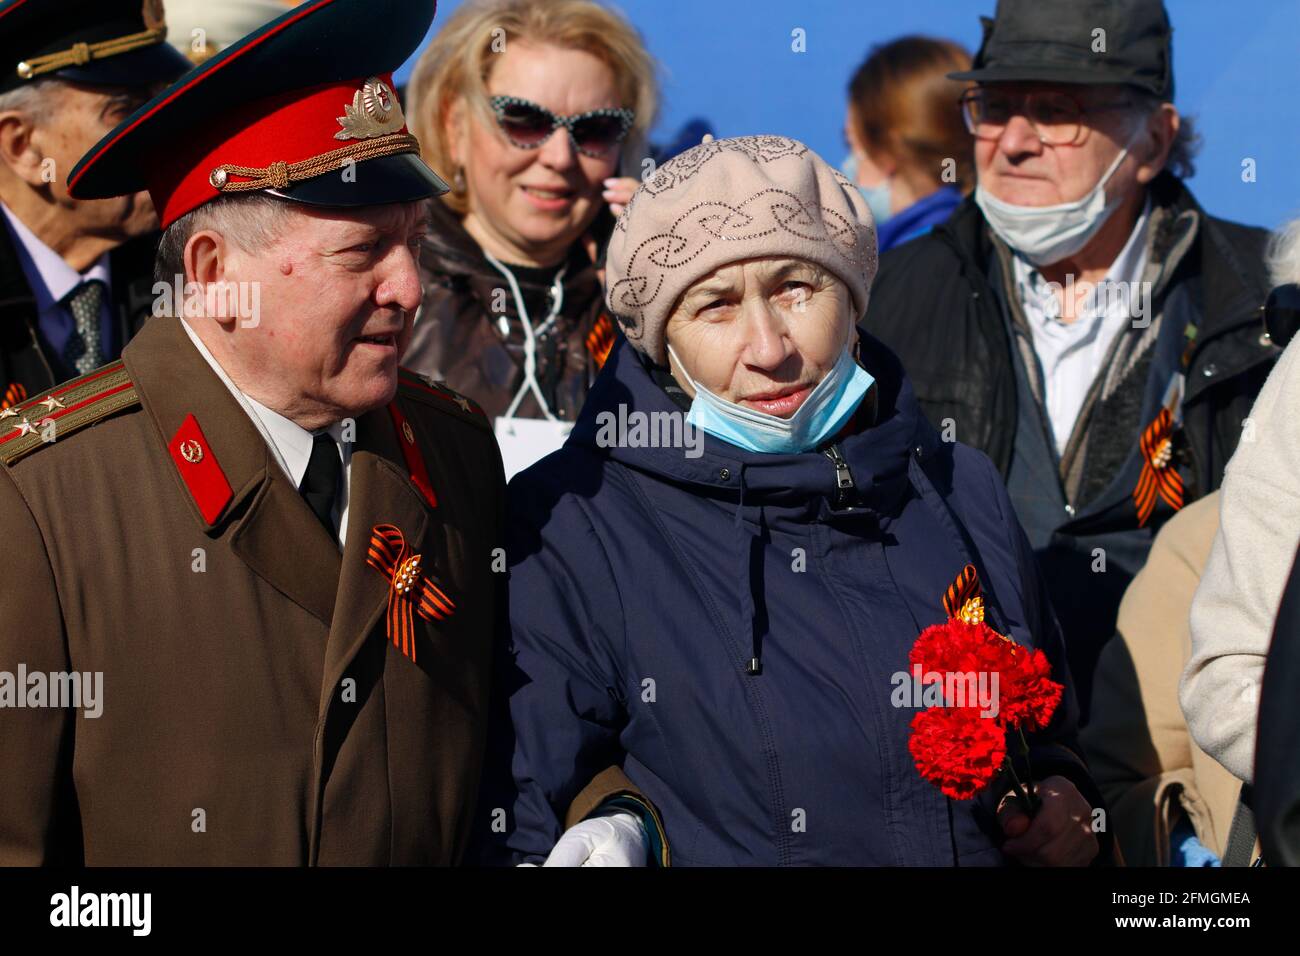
(843, 477)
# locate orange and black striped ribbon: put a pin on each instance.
(15, 393)
(600, 340)
(411, 590)
(966, 588)
(1159, 475)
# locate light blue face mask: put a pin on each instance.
(879, 198)
(1047, 234)
(822, 414)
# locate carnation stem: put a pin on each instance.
(1020, 790)
(1025, 793)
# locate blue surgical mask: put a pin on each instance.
(822, 414)
(879, 199)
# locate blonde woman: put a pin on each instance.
(530, 110)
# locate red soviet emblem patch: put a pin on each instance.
(199, 470)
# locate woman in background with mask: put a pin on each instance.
(716, 582)
(910, 154)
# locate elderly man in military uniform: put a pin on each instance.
(75, 275)
(270, 546)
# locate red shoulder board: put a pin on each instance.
(446, 398)
(199, 470)
(35, 423)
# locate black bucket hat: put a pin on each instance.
(1127, 42)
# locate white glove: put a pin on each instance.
(615, 839)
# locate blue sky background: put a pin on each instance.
(1236, 69)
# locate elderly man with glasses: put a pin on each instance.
(1080, 318)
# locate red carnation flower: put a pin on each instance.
(1028, 696)
(957, 647)
(957, 752)
(955, 748)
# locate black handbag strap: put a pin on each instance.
(1241, 836)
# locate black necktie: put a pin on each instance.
(320, 483)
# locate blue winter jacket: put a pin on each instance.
(644, 582)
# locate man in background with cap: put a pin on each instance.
(1080, 318)
(75, 275)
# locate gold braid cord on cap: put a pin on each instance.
(279, 175)
(79, 54)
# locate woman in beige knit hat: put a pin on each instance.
(716, 582)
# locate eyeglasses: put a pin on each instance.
(593, 133)
(1282, 313)
(1057, 118)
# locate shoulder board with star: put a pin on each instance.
(439, 396)
(66, 408)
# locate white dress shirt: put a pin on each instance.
(51, 279)
(289, 442)
(1071, 354)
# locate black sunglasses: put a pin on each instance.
(593, 133)
(1282, 313)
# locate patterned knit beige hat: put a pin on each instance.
(727, 200)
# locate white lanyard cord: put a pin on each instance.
(530, 337)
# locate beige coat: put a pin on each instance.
(1138, 744)
(1249, 564)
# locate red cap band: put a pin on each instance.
(288, 128)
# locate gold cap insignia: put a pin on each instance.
(374, 111)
